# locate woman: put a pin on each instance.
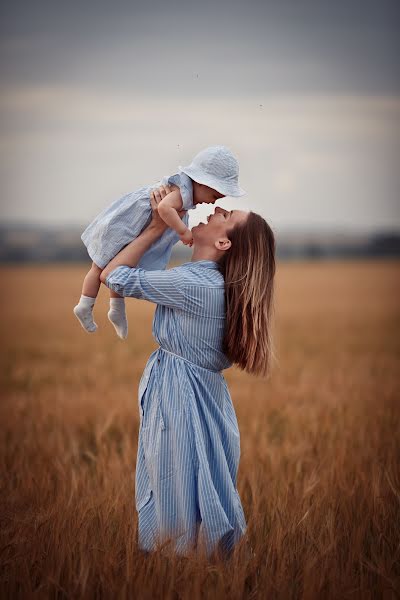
(211, 312)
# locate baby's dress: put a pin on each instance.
(125, 218)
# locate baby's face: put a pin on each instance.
(204, 194)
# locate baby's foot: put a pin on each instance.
(117, 316)
(84, 313)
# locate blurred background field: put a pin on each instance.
(99, 99)
(319, 470)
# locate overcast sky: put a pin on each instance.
(99, 98)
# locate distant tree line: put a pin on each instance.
(28, 244)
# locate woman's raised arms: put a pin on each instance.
(160, 287)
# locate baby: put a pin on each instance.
(212, 174)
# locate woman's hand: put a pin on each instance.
(155, 198)
(159, 193)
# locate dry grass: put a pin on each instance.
(319, 472)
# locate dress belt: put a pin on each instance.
(188, 361)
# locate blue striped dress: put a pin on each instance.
(123, 220)
(189, 443)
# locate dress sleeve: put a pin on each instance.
(186, 188)
(164, 287)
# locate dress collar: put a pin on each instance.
(208, 264)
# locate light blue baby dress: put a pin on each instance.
(124, 219)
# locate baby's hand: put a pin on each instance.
(187, 238)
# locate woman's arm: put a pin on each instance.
(165, 287)
(133, 252)
(161, 287)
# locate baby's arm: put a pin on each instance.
(168, 209)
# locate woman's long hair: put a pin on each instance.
(248, 268)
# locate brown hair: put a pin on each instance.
(248, 268)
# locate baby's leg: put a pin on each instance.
(84, 309)
(91, 283)
(117, 314)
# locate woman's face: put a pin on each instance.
(218, 226)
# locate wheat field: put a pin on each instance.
(319, 473)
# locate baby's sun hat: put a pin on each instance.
(218, 168)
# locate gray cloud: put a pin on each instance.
(98, 99)
(207, 48)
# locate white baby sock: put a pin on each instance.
(117, 316)
(84, 312)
